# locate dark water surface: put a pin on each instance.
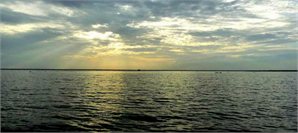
(148, 101)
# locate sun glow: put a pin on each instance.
(97, 35)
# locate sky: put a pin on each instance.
(149, 34)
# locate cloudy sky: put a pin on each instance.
(152, 34)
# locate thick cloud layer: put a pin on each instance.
(151, 34)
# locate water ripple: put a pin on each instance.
(148, 101)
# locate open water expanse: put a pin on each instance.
(148, 101)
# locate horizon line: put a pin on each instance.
(83, 69)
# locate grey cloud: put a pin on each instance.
(141, 49)
(26, 40)
(271, 38)
(69, 3)
(130, 35)
(258, 37)
(224, 32)
(196, 8)
(11, 17)
(279, 41)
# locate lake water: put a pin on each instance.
(148, 101)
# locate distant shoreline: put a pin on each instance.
(39, 69)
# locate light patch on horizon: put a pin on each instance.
(118, 61)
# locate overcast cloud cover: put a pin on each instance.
(152, 34)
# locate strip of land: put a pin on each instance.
(42, 69)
